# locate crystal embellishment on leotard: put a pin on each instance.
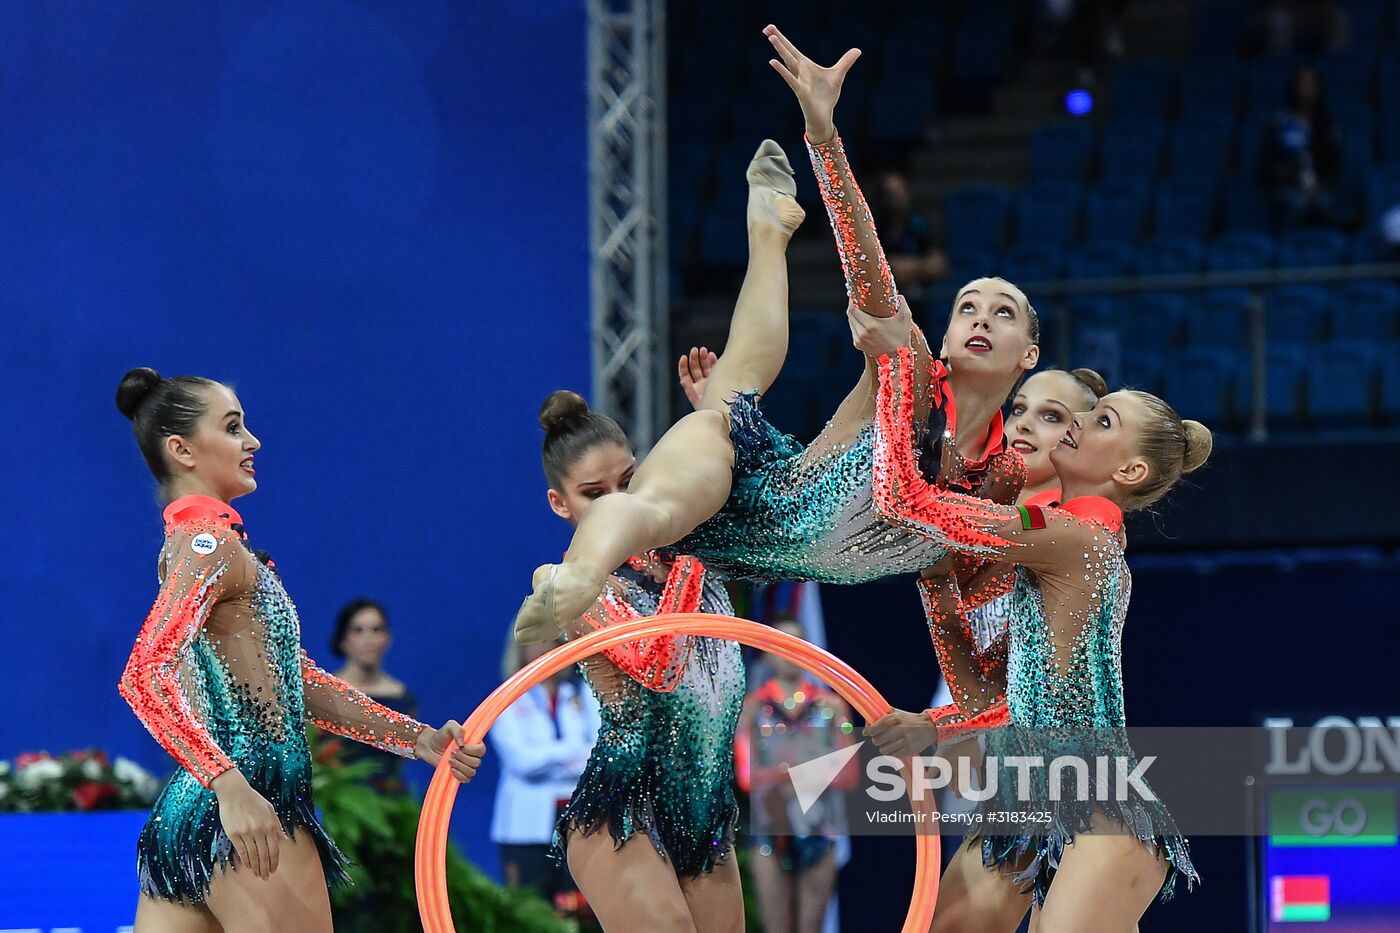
(218, 676)
(663, 764)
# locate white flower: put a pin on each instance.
(4, 768)
(91, 770)
(36, 773)
(129, 772)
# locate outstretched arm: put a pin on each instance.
(869, 281)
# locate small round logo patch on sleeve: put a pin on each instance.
(204, 544)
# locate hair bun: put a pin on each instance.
(1096, 383)
(1199, 442)
(133, 389)
(561, 410)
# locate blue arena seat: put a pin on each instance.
(1201, 384)
(1365, 308)
(1143, 89)
(1209, 88)
(722, 240)
(1236, 251)
(1116, 210)
(1201, 149)
(900, 109)
(1062, 152)
(1389, 397)
(1219, 318)
(1171, 256)
(1100, 259)
(1390, 135)
(967, 263)
(1384, 188)
(1298, 248)
(1341, 384)
(1035, 263)
(1152, 321)
(1295, 315)
(1047, 214)
(1285, 380)
(1244, 208)
(977, 214)
(1140, 369)
(1185, 209)
(1087, 311)
(1132, 149)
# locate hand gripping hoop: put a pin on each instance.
(430, 860)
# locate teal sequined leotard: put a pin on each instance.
(1064, 697)
(219, 678)
(664, 761)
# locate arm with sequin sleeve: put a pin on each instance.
(869, 281)
(206, 566)
(338, 708)
(977, 680)
(901, 494)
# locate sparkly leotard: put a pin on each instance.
(1063, 686)
(815, 512)
(219, 678)
(663, 764)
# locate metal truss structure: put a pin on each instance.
(627, 213)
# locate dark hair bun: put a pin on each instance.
(563, 409)
(134, 387)
(1096, 383)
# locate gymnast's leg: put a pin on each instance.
(686, 477)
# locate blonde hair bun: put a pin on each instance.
(1199, 442)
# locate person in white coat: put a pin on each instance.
(543, 740)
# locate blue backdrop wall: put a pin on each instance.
(371, 218)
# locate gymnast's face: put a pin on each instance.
(601, 469)
(1041, 412)
(1102, 449)
(989, 332)
(219, 453)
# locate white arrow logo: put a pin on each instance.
(811, 778)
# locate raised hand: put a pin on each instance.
(817, 88)
(694, 369)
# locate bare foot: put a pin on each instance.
(563, 592)
(773, 203)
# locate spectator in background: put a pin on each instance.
(362, 638)
(790, 718)
(543, 740)
(913, 259)
(1301, 156)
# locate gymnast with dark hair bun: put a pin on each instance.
(648, 833)
(219, 678)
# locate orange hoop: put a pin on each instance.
(430, 859)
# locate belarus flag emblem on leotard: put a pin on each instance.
(1301, 898)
